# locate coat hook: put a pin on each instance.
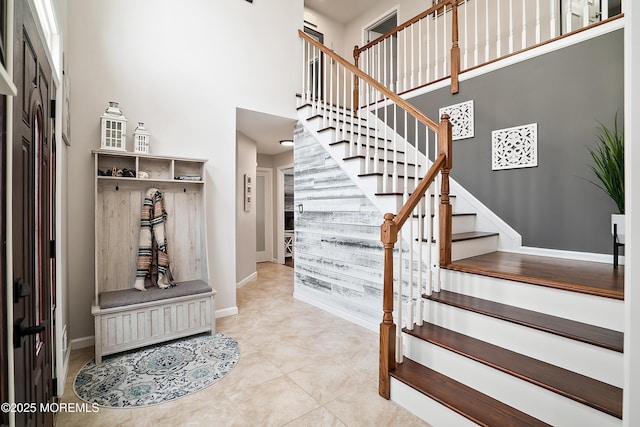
(184, 189)
(117, 186)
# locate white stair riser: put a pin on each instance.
(345, 150)
(367, 166)
(459, 224)
(396, 185)
(596, 362)
(435, 203)
(426, 408)
(473, 247)
(328, 113)
(604, 312)
(540, 403)
(463, 223)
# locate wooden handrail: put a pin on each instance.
(421, 189)
(389, 236)
(455, 49)
(408, 23)
(374, 83)
(393, 223)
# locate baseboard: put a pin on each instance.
(231, 311)
(575, 255)
(336, 312)
(247, 279)
(83, 342)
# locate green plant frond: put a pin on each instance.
(608, 162)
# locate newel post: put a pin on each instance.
(388, 236)
(445, 147)
(455, 48)
(356, 81)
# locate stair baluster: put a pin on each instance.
(384, 114)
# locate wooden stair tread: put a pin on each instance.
(464, 400)
(586, 277)
(363, 157)
(346, 141)
(595, 335)
(381, 174)
(340, 120)
(452, 214)
(470, 235)
(458, 237)
(588, 391)
(359, 133)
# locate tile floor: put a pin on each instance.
(299, 366)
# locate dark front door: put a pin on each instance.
(32, 205)
(4, 347)
(4, 364)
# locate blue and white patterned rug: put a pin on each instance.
(157, 374)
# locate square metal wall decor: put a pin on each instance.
(515, 147)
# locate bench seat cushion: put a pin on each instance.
(133, 296)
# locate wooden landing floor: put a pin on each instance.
(579, 276)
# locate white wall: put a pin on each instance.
(631, 411)
(406, 9)
(333, 32)
(246, 221)
(182, 68)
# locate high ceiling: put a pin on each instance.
(341, 11)
(267, 130)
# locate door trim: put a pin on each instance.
(267, 254)
(280, 212)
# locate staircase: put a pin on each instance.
(335, 136)
(558, 358)
(537, 358)
(485, 343)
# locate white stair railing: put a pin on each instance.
(394, 141)
(417, 52)
(376, 128)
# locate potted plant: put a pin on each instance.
(608, 166)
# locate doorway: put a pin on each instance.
(578, 14)
(264, 214)
(281, 240)
(4, 350)
(386, 53)
(314, 62)
(289, 218)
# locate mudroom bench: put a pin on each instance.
(124, 317)
(128, 318)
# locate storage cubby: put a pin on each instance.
(188, 170)
(126, 318)
(155, 168)
(108, 162)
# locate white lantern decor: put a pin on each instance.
(113, 129)
(141, 139)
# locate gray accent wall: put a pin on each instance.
(565, 92)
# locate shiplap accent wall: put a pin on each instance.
(338, 256)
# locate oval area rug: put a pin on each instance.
(157, 374)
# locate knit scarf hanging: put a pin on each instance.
(152, 249)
